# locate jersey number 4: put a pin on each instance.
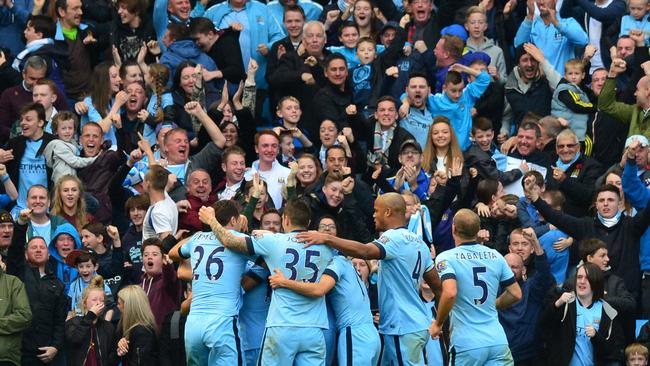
(478, 282)
(291, 265)
(210, 261)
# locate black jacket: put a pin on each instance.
(128, 41)
(330, 103)
(475, 157)
(77, 338)
(226, 53)
(364, 129)
(143, 347)
(622, 239)
(347, 215)
(536, 99)
(490, 104)
(560, 331)
(579, 185)
(48, 302)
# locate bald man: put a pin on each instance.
(405, 262)
(471, 275)
(520, 321)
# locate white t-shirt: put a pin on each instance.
(595, 32)
(160, 217)
(275, 179)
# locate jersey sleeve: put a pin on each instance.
(427, 262)
(185, 250)
(387, 247)
(335, 268)
(259, 245)
(259, 273)
(507, 277)
(444, 268)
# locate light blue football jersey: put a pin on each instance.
(252, 315)
(349, 298)
(404, 259)
(478, 271)
(284, 252)
(217, 273)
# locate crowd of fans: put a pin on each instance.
(138, 136)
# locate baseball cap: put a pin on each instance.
(478, 55)
(410, 142)
(455, 30)
(165, 125)
(642, 140)
(73, 255)
(5, 217)
(391, 24)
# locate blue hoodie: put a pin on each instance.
(185, 50)
(638, 195)
(63, 272)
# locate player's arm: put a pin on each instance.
(230, 241)
(348, 247)
(433, 280)
(447, 299)
(175, 253)
(510, 296)
(316, 289)
(184, 271)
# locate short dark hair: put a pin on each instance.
(590, 247)
(332, 57)
(334, 147)
(85, 257)
(295, 8)
(201, 26)
(607, 188)
(157, 177)
(225, 210)
(96, 228)
(348, 24)
(178, 31)
(138, 7)
(270, 212)
(298, 212)
(527, 126)
(36, 107)
(482, 124)
(539, 178)
(485, 189)
(453, 77)
(153, 241)
(125, 64)
(387, 98)
(414, 75)
(43, 24)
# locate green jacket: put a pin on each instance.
(631, 114)
(15, 316)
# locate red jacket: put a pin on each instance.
(190, 220)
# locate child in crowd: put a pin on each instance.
(61, 155)
(110, 262)
(636, 354)
(86, 264)
(161, 104)
(159, 280)
(136, 207)
(526, 212)
(554, 239)
(349, 37)
(287, 148)
(484, 155)
(289, 112)
(572, 100)
(637, 19)
(90, 337)
(476, 24)
(64, 240)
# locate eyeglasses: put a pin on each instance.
(569, 146)
(327, 227)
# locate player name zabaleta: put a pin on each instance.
(476, 255)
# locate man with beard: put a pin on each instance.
(529, 87)
(418, 119)
(555, 36)
(633, 51)
(635, 115)
(127, 138)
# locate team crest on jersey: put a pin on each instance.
(441, 266)
(383, 239)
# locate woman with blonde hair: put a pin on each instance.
(137, 330)
(442, 147)
(69, 202)
(91, 338)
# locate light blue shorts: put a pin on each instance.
(297, 346)
(213, 340)
(406, 349)
(486, 356)
(358, 345)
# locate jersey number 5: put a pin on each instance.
(212, 259)
(291, 265)
(480, 283)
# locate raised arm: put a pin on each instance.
(348, 247)
(316, 289)
(230, 241)
(195, 109)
